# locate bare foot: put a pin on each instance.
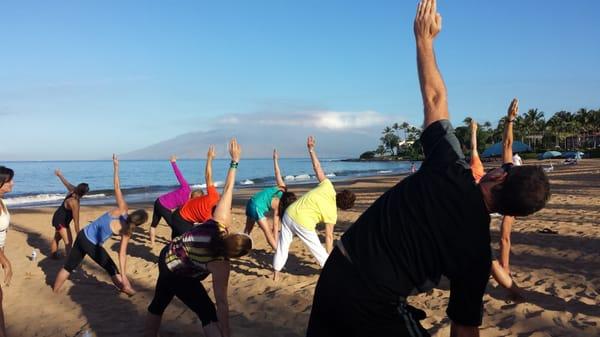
(128, 290)
(276, 276)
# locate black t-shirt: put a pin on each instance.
(432, 223)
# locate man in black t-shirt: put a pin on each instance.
(433, 223)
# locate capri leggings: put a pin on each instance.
(160, 211)
(83, 247)
(189, 290)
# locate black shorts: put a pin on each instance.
(160, 211)
(82, 247)
(179, 225)
(189, 290)
(344, 306)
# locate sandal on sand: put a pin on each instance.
(547, 231)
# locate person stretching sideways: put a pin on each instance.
(433, 223)
(318, 205)
(203, 250)
(89, 241)
(200, 208)
(268, 199)
(67, 211)
(168, 202)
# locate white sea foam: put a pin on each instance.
(302, 177)
(330, 175)
(384, 171)
(197, 186)
(33, 199)
(247, 182)
(288, 178)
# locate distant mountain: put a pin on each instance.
(258, 142)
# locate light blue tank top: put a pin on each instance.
(99, 231)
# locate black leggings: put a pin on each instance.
(345, 306)
(160, 211)
(179, 225)
(83, 247)
(189, 290)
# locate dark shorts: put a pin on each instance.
(179, 225)
(344, 306)
(189, 290)
(82, 247)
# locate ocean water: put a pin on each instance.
(145, 180)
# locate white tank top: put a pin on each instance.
(4, 221)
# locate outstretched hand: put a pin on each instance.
(57, 172)
(473, 125)
(275, 154)
(513, 109)
(428, 22)
(212, 153)
(235, 150)
(173, 159)
(310, 143)
(115, 160)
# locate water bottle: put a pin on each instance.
(34, 255)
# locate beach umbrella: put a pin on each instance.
(496, 149)
(550, 154)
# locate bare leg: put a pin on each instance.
(2, 325)
(69, 241)
(62, 276)
(54, 245)
(119, 284)
(249, 225)
(152, 325)
(152, 235)
(264, 225)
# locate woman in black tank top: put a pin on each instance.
(66, 212)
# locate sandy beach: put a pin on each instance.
(559, 273)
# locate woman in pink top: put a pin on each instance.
(166, 203)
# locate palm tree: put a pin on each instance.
(533, 121)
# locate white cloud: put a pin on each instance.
(317, 119)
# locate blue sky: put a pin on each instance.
(81, 80)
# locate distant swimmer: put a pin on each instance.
(275, 199)
(206, 249)
(318, 205)
(89, 241)
(199, 208)
(6, 185)
(168, 202)
(65, 213)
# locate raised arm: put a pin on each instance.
(507, 137)
(65, 182)
(310, 143)
(474, 151)
(178, 174)
(121, 204)
(278, 178)
(210, 155)
(428, 23)
(222, 213)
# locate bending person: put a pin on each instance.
(431, 224)
(200, 208)
(318, 205)
(181, 273)
(6, 186)
(65, 213)
(499, 273)
(264, 201)
(89, 241)
(167, 203)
